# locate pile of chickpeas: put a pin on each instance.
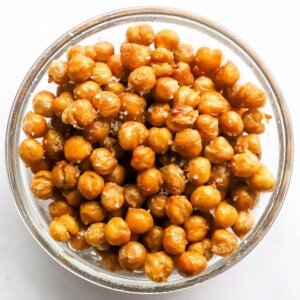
(151, 155)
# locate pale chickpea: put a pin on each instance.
(80, 68)
(103, 161)
(58, 72)
(90, 185)
(207, 59)
(107, 104)
(157, 205)
(208, 126)
(139, 220)
(91, 212)
(76, 149)
(244, 223)
(231, 123)
(142, 80)
(187, 96)
(65, 175)
(225, 215)
(248, 142)
(165, 89)
(86, 90)
(182, 73)
(115, 65)
(244, 164)
(198, 170)
(218, 150)
(112, 197)
(184, 53)
(203, 84)
(95, 236)
(227, 75)
(191, 264)
(31, 152)
(157, 114)
(174, 239)
(167, 38)
(103, 50)
(101, 74)
(250, 96)
(61, 102)
(142, 158)
(140, 34)
(224, 242)
(43, 104)
(262, 180)
(117, 176)
(174, 179)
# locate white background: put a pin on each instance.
(271, 270)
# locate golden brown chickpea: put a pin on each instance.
(162, 62)
(135, 55)
(203, 247)
(61, 102)
(117, 176)
(76, 149)
(90, 52)
(43, 165)
(178, 209)
(157, 205)
(31, 152)
(152, 239)
(80, 68)
(207, 126)
(78, 242)
(107, 104)
(65, 175)
(139, 220)
(162, 69)
(91, 212)
(73, 197)
(159, 139)
(165, 89)
(95, 236)
(74, 50)
(110, 261)
(90, 185)
(117, 231)
(225, 215)
(262, 180)
(205, 198)
(132, 106)
(115, 87)
(34, 125)
(140, 34)
(157, 114)
(174, 179)
(253, 121)
(250, 96)
(96, 132)
(58, 72)
(212, 103)
(104, 50)
(224, 242)
(132, 134)
(196, 247)
(203, 84)
(86, 90)
(112, 197)
(167, 38)
(181, 117)
(227, 75)
(244, 164)
(133, 196)
(207, 59)
(101, 74)
(43, 104)
(187, 143)
(142, 158)
(174, 239)
(248, 142)
(196, 228)
(62, 228)
(85, 165)
(184, 53)
(142, 80)
(115, 65)
(231, 123)
(182, 73)
(112, 145)
(244, 223)
(103, 161)
(132, 255)
(191, 264)
(220, 176)
(198, 170)
(218, 150)
(187, 96)
(244, 197)
(59, 208)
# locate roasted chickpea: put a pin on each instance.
(182, 73)
(205, 198)
(244, 223)
(244, 197)
(110, 261)
(142, 80)
(157, 114)
(133, 196)
(198, 170)
(207, 59)
(159, 139)
(174, 239)
(117, 176)
(78, 242)
(117, 231)
(157, 205)
(184, 53)
(262, 180)
(162, 69)
(42, 165)
(34, 125)
(231, 123)
(178, 209)
(140, 34)
(132, 134)
(65, 175)
(220, 176)
(152, 239)
(115, 87)
(62, 228)
(86, 90)
(112, 197)
(43, 104)
(101, 74)
(135, 55)
(244, 164)
(73, 197)
(162, 62)
(203, 248)
(139, 220)
(96, 132)
(76, 149)
(165, 89)
(225, 215)
(186, 96)
(90, 52)
(227, 75)
(191, 264)
(115, 65)
(91, 212)
(103, 51)
(253, 121)
(58, 72)
(74, 50)
(218, 150)
(142, 158)
(158, 266)
(31, 152)
(61, 102)
(248, 142)
(250, 96)
(80, 68)
(207, 126)
(103, 161)
(223, 242)
(59, 208)
(95, 236)
(167, 38)
(203, 84)
(90, 185)
(187, 143)
(196, 228)
(112, 145)
(174, 179)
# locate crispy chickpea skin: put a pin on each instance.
(78, 242)
(191, 264)
(157, 114)
(80, 68)
(244, 197)
(133, 196)
(157, 205)
(110, 261)
(95, 236)
(167, 38)
(43, 104)
(174, 179)
(112, 197)
(203, 248)
(90, 185)
(174, 239)
(227, 75)
(76, 149)
(34, 125)
(207, 59)
(58, 72)
(115, 65)
(43, 165)
(103, 161)
(262, 180)
(117, 176)
(244, 164)
(96, 132)
(73, 197)
(187, 96)
(65, 175)
(107, 104)
(205, 198)
(165, 89)
(142, 158)
(208, 126)
(31, 152)
(101, 74)
(139, 220)
(203, 84)
(184, 53)
(196, 228)
(253, 121)
(220, 176)
(224, 242)
(140, 34)
(41, 185)
(218, 150)
(142, 80)
(91, 212)
(198, 170)
(61, 102)
(244, 223)
(159, 139)
(86, 90)
(231, 123)
(249, 142)
(152, 239)
(225, 215)
(115, 87)
(117, 231)
(103, 50)
(182, 73)
(250, 96)
(74, 50)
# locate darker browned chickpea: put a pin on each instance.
(41, 185)
(139, 220)
(187, 143)
(227, 75)
(132, 255)
(112, 197)
(76, 149)
(115, 87)
(157, 114)
(103, 161)
(91, 212)
(107, 104)
(262, 180)
(207, 126)
(80, 68)
(61, 102)
(244, 164)
(43, 104)
(207, 59)
(86, 90)
(205, 198)
(220, 176)
(203, 247)
(58, 72)
(95, 236)
(65, 175)
(244, 223)
(43, 165)
(174, 179)
(184, 53)
(182, 73)
(152, 239)
(117, 231)
(31, 152)
(133, 196)
(159, 139)
(218, 150)
(157, 205)
(135, 55)
(112, 145)
(231, 123)
(61, 229)
(142, 158)
(103, 51)
(140, 34)
(223, 242)
(248, 142)
(174, 239)
(117, 176)
(73, 197)
(101, 74)
(178, 209)
(253, 121)
(250, 96)
(132, 134)
(34, 125)
(115, 65)
(225, 215)
(191, 264)
(142, 80)
(244, 197)
(78, 242)
(198, 170)
(181, 117)
(165, 89)
(196, 228)
(167, 38)
(187, 96)
(203, 84)
(90, 185)
(96, 132)
(59, 208)
(57, 124)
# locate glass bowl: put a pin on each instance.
(277, 145)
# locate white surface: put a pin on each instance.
(271, 270)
